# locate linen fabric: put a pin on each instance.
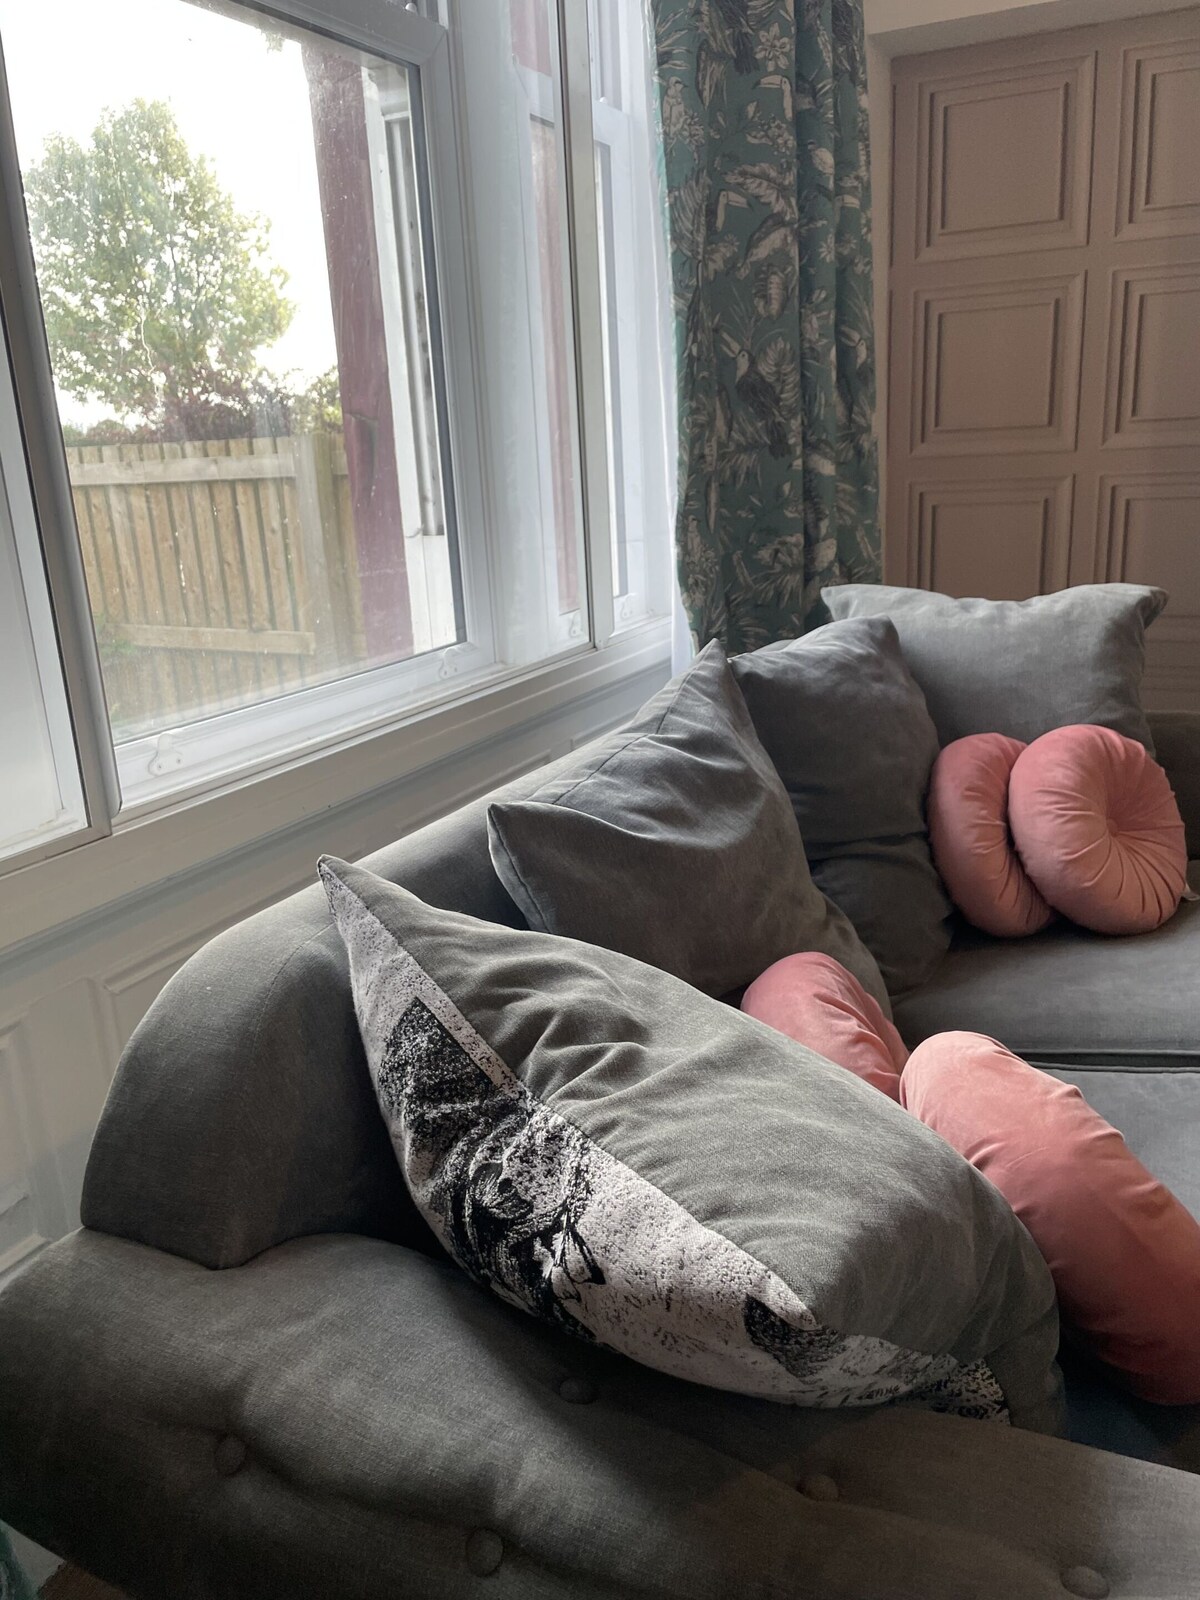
(973, 846)
(846, 726)
(816, 1002)
(648, 1169)
(1098, 829)
(1073, 997)
(1020, 667)
(390, 1412)
(1125, 1255)
(673, 840)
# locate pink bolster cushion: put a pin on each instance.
(969, 834)
(813, 999)
(1098, 829)
(1123, 1252)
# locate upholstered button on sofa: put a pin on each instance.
(252, 1373)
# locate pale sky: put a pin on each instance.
(243, 105)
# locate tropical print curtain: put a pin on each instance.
(764, 127)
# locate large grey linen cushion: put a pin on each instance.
(847, 727)
(674, 841)
(643, 1166)
(1020, 667)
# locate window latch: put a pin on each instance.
(452, 658)
(167, 757)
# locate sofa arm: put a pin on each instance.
(1176, 736)
(346, 1408)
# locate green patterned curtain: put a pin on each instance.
(764, 127)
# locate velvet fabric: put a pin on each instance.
(833, 710)
(1124, 1253)
(815, 1001)
(1098, 829)
(673, 840)
(972, 843)
(1020, 667)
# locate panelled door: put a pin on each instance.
(1044, 406)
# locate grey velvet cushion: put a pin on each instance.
(1070, 996)
(645, 1167)
(1020, 667)
(674, 841)
(848, 730)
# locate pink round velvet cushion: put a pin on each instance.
(1098, 829)
(1123, 1252)
(813, 999)
(972, 847)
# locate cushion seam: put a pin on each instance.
(495, 830)
(645, 733)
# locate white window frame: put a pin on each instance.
(636, 480)
(124, 789)
(29, 642)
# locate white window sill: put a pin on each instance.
(150, 848)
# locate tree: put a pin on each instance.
(158, 293)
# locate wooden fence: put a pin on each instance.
(220, 573)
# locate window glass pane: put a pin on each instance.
(41, 798)
(513, 130)
(636, 295)
(229, 223)
(557, 378)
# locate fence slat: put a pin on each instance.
(275, 641)
(187, 469)
(326, 608)
(193, 604)
(279, 582)
(246, 668)
(221, 572)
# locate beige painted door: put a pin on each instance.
(1044, 407)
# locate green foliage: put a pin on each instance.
(318, 408)
(158, 293)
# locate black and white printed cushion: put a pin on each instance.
(650, 1169)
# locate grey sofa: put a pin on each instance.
(253, 1374)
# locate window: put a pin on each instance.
(319, 436)
(43, 799)
(635, 341)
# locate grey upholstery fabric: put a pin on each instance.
(273, 1077)
(1020, 667)
(707, 1185)
(673, 841)
(848, 730)
(1176, 737)
(1102, 1414)
(345, 1418)
(1070, 996)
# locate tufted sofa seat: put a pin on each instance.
(347, 1417)
(253, 1375)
